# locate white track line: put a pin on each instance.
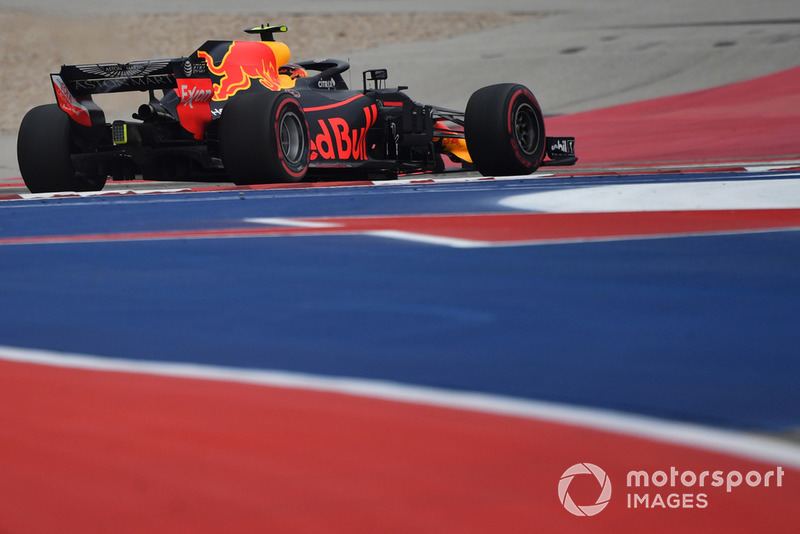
(711, 195)
(722, 441)
(294, 223)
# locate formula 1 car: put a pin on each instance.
(239, 111)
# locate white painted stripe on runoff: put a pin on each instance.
(733, 443)
(430, 239)
(297, 223)
(786, 166)
(727, 195)
(429, 179)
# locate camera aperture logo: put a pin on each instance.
(581, 470)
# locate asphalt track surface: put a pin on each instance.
(426, 355)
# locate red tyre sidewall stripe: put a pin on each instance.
(277, 115)
(510, 127)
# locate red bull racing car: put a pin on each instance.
(240, 111)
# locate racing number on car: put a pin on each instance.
(334, 139)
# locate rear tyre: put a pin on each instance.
(504, 129)
(264, 138)
(44, 145)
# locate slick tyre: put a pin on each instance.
(45, 142)
(264, 138)
(504, 129)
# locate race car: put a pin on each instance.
(239, 111)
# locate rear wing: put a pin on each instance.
(74, 85)
(83, 80)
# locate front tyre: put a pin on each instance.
(44, 146)
(264, 138)
(504, 130)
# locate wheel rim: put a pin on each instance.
(292, 139)
(526, 128)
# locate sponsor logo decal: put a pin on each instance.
(562, 146)
(193, 94)
(337, 140)
(69, 103)
(126, 70)
(243, 62)
(194, 111)
(111, 84)
(190, 69)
